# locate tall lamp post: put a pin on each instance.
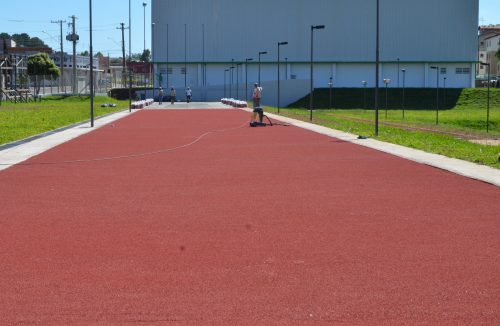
(152, 75)
(387, 81)
(444, 92)
(261, 53)
(377, 62)
(311, 100)
(129, 55)
(404, 77)
(437, 93)
(238, 79)
(225, 70)
(364, 82)
(144, 5)
(246, 77)
(279, 44)
(488, 98)
(330, 84)
(91, 70)
(230, 79)
(286, 68)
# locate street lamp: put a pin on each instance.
(437, 93)
(246, 77)
(387, 81)
(144, 6)
(364, 82)
(377, 62)
(488, 99)
(444, 92)
(225, 70)
(331, 85)
(238, 79)
(152, 76)
(91, 70)
(286, 68)
(311, 100)
(279, 44)
(231, 80)
(261, 53)
(404, 73)
(129, 55)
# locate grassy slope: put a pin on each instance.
(467, 115)
(18, 121)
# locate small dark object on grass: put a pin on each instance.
(362, 137)
(108, 105)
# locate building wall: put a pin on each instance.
(419, 33)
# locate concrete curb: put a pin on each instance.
(467, 169)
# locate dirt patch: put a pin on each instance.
(489, 142)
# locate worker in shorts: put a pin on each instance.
(189, 94)
(160, 96)
(257, 94)
(173, 95)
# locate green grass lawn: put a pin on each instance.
(18, 121)
(467, 116)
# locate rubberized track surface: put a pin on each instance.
(248, 226)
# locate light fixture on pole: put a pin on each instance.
(377, 63)
(330, 84)
(225, 70)
(230, 80)
(364, 82)
(238, 80)
(246, 77)
(488, 98)
(279, 44)
(91, 70)
(260, 53)
(311, 100)
(144, 6)
(404, 77)
(437, 93)
(387, 81)
(152, 76)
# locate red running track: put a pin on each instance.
(248, 226)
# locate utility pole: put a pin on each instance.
(124, 73)
(60, 22)
(73, 37)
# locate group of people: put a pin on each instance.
(256, 96)
(173, 95)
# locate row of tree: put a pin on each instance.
(24, 40)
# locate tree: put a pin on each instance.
(41, 65)
(85, 53)
(146, 56)
(498, 54)
(99, 55)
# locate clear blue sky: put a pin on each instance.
(34, 16)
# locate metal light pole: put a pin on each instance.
(330, 84)
(225, 70)
(404, 77)
(144, 5)
(246, 77)
(398, 72)
(230, 80)
(286, 68)
(311, 100)
(377, 62)
(364, 82)
(260, 53)
(185, 56)
(488, 98)
(91, 70)
(437, 93)
(279, 44)
(444, 92)
(387, 81)
(129, 55)
(238, 80)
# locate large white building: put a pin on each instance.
(195, 41)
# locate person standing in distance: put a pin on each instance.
(257, 94)
(189, 93)
(173, 95)
(160, 95)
